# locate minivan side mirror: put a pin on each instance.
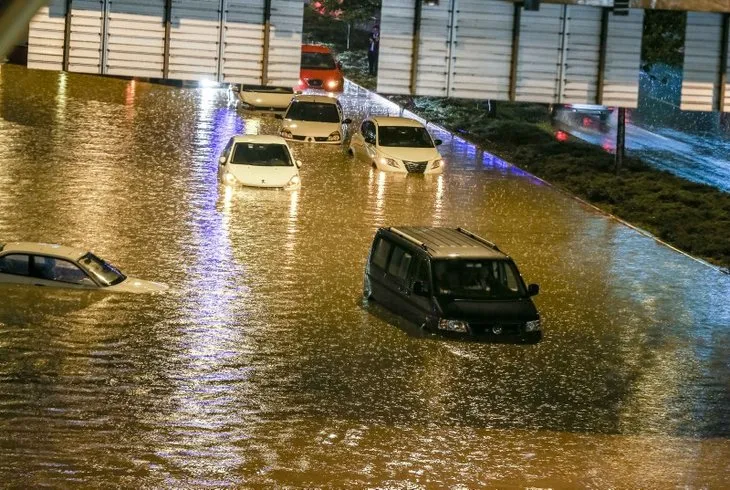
(437, 142)
(533, 289)
(420, 288)
(222, 160)
(298, 163)
(278, 116)
(347, 121)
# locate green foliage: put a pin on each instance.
(352, 10)
(663, 40)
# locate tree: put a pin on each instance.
(349, 10)
(664, 37)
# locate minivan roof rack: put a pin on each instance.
(486, 242)
(409, 238)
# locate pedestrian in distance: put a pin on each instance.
(373, 46)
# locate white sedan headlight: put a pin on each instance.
(229, 179)
(388, 161)
(532, 326)
(334, 136)
(454, 326)
(285, 133)
(294, 182)
(438, 163)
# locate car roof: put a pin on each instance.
(321, 99)
(265, 139)
(33, 248)
(396, 121)
(315, 48)
(449, 243)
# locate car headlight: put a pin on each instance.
(333, 84)
(334, 136)
(388, 161)
(285, 133)
(229, 179)
(437, 163)
(293, 182)
(454, 326)
(532, 326)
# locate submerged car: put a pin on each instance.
(42, 264)
(397, 144)
(314, 119)
(319, 70)
(451, 281)
(259, 161)
(254, 97)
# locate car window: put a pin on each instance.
(313, 111)
(419, 272)
(17, 264)
(404, 137)
(381, 252)
(54, 269)
(227, 149)
(269, 155)
(318, 61)
(368, 130)
(399, 263)
(479, 279)
(105, 273)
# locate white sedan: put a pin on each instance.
(313, 119)
(397, 144)
(259, 161)
(42, 264)
(265, 98)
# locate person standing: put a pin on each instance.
(373, 46)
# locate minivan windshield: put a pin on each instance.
(477, 279)
(318, 61)
(313, 111)
(404, 137)
(272, 155)
(104, 272)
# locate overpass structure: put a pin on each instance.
(239, 41)
(551, 51)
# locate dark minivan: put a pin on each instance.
(451, 280)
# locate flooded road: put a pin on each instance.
(263, 367)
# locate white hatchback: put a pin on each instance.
(313, 119)
(43, 264)
(259, 161)
(397, 144)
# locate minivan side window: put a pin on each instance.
(420, 272)
(381, 252)
(400, 261)
(17, 264)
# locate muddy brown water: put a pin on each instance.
(263, 367)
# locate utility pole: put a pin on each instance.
(620, 138)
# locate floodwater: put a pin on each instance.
(262, 367)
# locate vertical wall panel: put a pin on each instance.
(87, 27)
(700, 88)
(45, 37)
(483, 50)
(285, 42)
(434, 50)
(195, 39)
(244, 40)
(540, 54)
(396, 46)
(581, 62)
(136, 38)
(623, 59)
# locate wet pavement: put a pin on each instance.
(263, 367)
